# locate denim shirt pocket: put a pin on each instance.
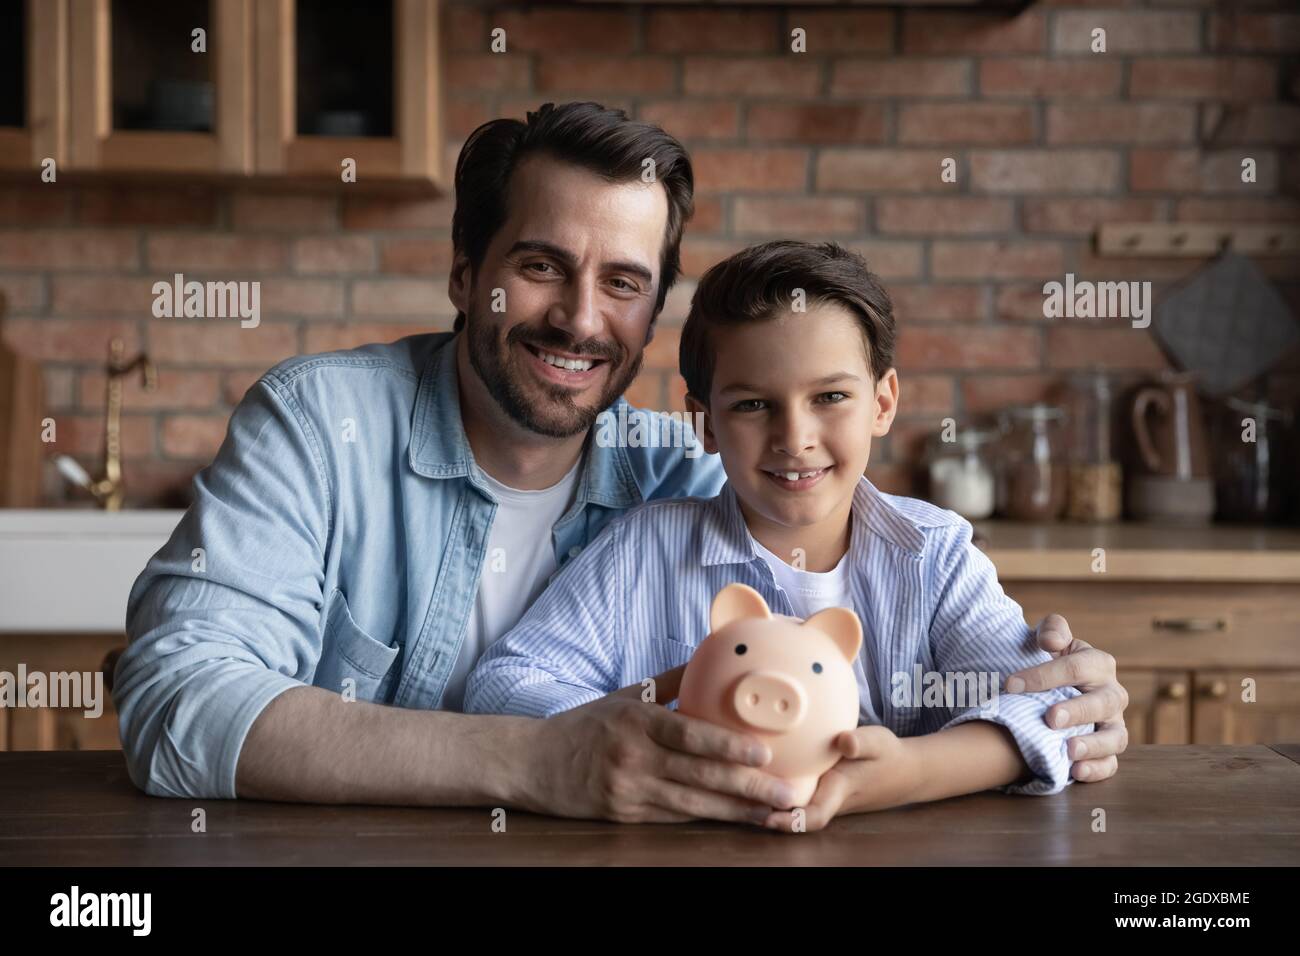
(348, 652)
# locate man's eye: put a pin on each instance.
(540, 265)
(626, 286)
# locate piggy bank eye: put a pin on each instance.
(741, 648)
(817, 668)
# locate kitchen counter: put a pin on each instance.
(1184, 806)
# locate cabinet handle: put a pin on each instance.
(1175, 691)
(1189, 624)
(1216, 690)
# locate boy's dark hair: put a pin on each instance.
(602, 140)
(757, 283)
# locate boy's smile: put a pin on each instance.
(792, 412)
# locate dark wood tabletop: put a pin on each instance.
(1168, 805)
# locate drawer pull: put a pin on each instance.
(1216, 690)
(1175, 691)
(1187, 624)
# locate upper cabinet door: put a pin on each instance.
(339, 80)
(33, 82)
(150, 92)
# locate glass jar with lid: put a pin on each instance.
(1032, 480)
(962, 477)
(1096, 479)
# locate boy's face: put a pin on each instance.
(795, 394)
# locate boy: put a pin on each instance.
(788, 354)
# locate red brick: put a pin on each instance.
(154, 206)
(948, 303)
(463, 116)
(711, 31)
(947, 215)
(661, 353)
(85, 250)
(334, 254)
(844, 31)
(1269, 124)
(103, 295)
(926, 394)
(1020, 303)
(793, 75)
(1128, 31)
(84, 435)
(211, 254)
(1203, 78)
(464, 28)
(927, 123)
(60, 388)
(993, 32)
(283, 213)
(1004, 259)
(698, 255)
(388, 212)
(487, 72)
(235, 384)
(333, 338)
(159, 484)
(964, 347)
(982, 394)
(899, 77)
(613, 74)
(551, 30)
(882, 170)
(1045, 171)
(893, 479)
(816, 123)
(1187, 170)
(68, 340)
(1237, 210)
(1258, 32)
(891, 259)
(647, 389)
(193, 436)
(176, 389)
(764, 169)
(693, 119)
(1082, 216)
(221, 342)
(813, 217)
(414, 297)
(416, 256)
(1121, 123)
(1112, 348)
(1027, 77)
(21, 293)
(309, 298)
(45, 204)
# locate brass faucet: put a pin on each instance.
(109, 489)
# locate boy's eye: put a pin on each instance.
(832, 398)
(748, 405)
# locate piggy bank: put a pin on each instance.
(787, 682)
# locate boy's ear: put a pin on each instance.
(843, 627)
(707, 439)
(886, 403)
(736, 602)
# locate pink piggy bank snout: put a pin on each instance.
(769, 700)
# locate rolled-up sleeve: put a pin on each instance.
(226, 616)
(978, 630)
(566, 650)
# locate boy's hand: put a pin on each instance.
(1077, 663)
(878, 770)
(623, 759)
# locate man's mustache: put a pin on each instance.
(563, 343)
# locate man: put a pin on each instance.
(376, 518)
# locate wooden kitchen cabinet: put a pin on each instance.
(1188, 614)
(45, 728)
(33, 82)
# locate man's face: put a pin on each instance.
(795, 394)
(577, 266)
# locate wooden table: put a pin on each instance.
(1169, 805)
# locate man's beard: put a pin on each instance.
(557, 415)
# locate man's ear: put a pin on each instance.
(459, 282)
(736, 602)
(886, 403)
(707, 439)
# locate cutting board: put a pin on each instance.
(22, 406)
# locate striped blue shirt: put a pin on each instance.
(936, 624)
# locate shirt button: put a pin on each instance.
(574, 552)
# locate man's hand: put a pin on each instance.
(623, 759)
(1102, 702)
(877, 770)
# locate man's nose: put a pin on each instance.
(576, 312)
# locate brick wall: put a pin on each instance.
(842, 142)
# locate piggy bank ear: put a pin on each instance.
(843, 627)
(735, 602)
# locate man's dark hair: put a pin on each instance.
(601, 140)
(758, 283)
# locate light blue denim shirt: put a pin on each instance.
(636, 603)
(336, 540)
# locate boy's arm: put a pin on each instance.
(977, 630)
(567, 648)
(967, 758)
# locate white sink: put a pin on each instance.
(67, 571)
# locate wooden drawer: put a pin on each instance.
(1166, 624)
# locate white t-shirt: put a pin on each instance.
(813, 591)
(520, 559)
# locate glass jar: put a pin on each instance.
(962, 475)
(1096, 479)
(1249, 473)
(1032, 481)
